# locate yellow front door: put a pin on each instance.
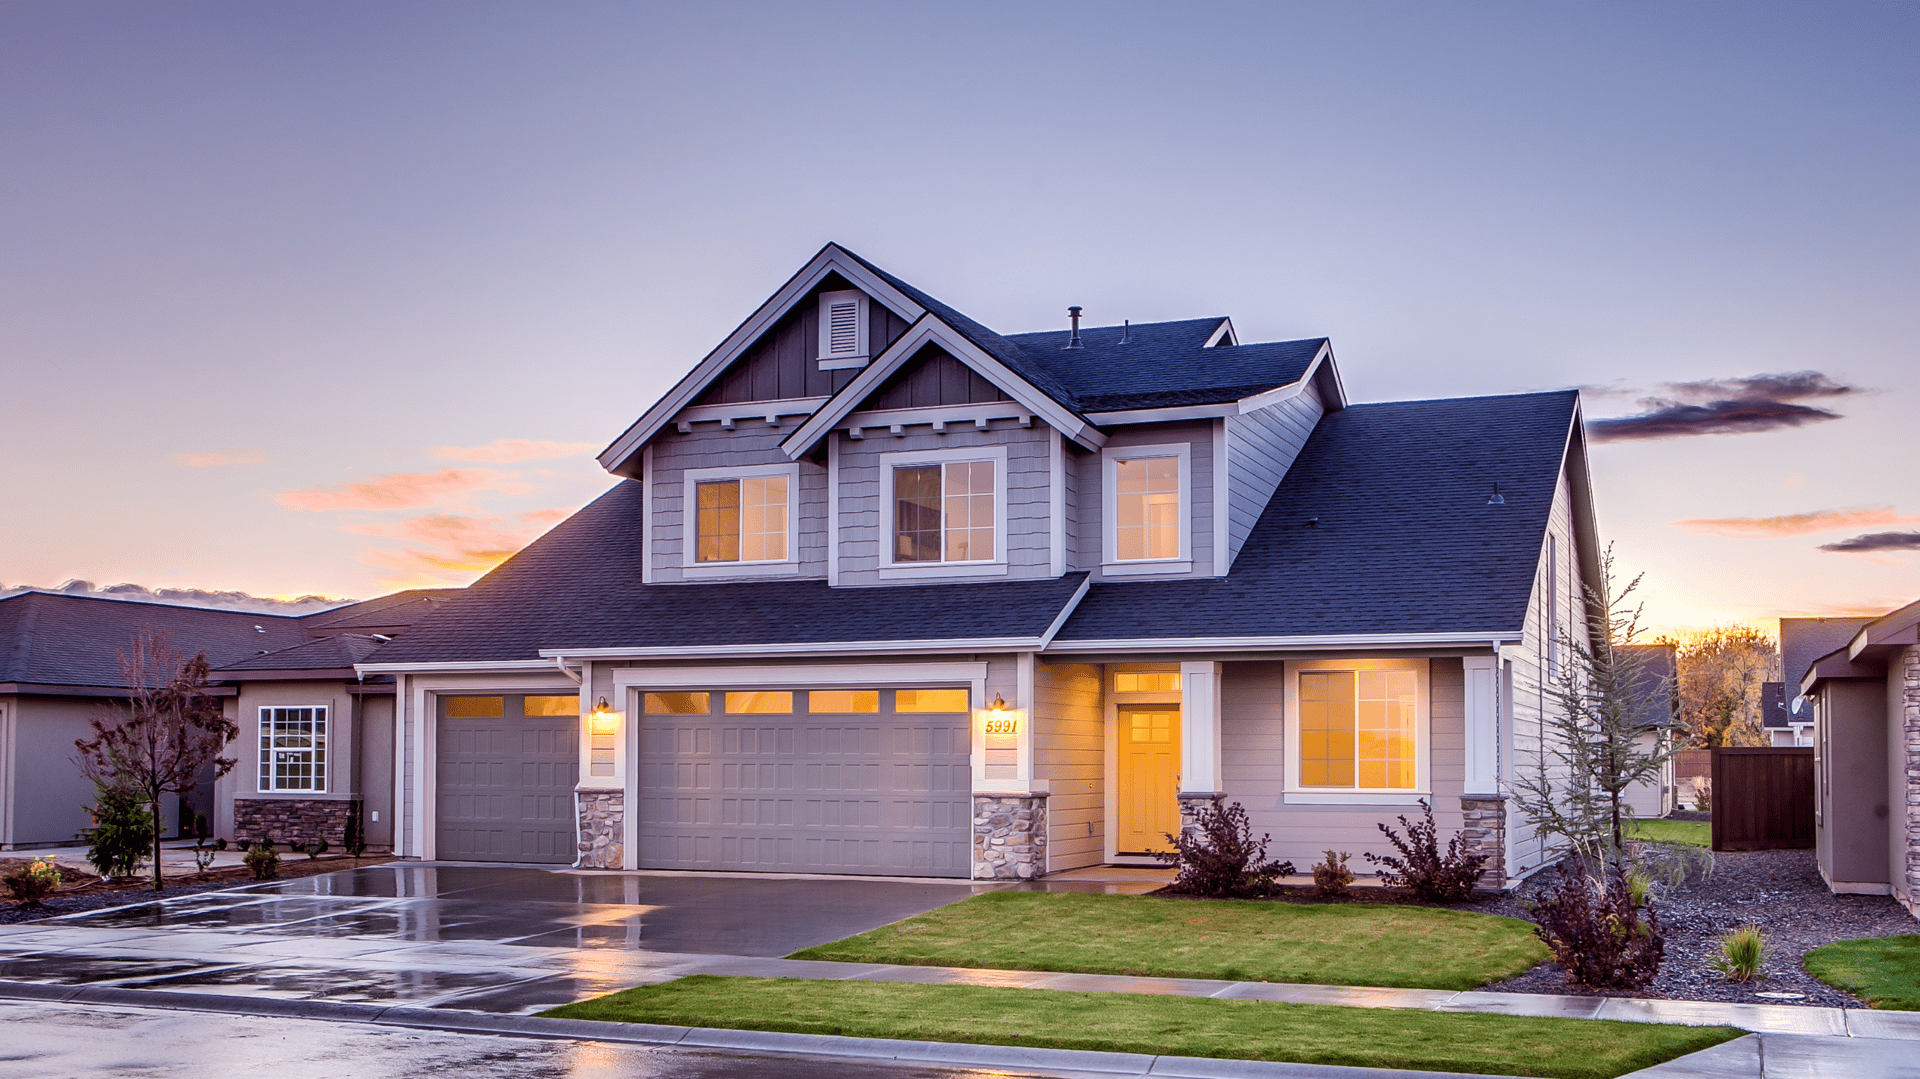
(1149, 767)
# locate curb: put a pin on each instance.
(955, 1054)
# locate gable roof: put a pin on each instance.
(53, 639)
(1805, 640)
(1656, 684)
(396, 611)
(579, 588)
(338, 653)
(1380, 529)
(1165, 363)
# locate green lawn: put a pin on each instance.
(1327, 944)
(1883, 971)
(1178, 1026)
(1692, 833)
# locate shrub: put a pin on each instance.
(34, 882)
(315, 849)
(1331, 877)
(203, 851)
(122, 832)
(263, 860)
(1703, 796)
(1422, 869)
(1597, 933)
(1220, 858)
(1740, 953)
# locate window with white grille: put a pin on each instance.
(843, 328)
(293, 749)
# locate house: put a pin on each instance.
(1802, 640)
(1657, 716)
(883, 591)
(292, 676)
(1865, 695)
(1786, 723)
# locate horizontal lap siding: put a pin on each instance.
(863, 494)
(1532, 688)
(1261, 447)
(1069, 756)
(1254, 746)
(751, 442)
(1090, 481)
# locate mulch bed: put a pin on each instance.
(81, 890)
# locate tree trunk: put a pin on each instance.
(153, 808)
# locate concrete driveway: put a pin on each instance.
(486, 938)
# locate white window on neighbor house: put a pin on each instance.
(946, 507)
(843, 329)
(1357, 727)
(740, 516)
(1147, 489)
(293, 749)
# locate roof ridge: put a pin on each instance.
(157, 603)
(1571, 392)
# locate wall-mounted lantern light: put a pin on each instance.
(603, 720)
(603, 730)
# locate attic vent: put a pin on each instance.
(843, 329)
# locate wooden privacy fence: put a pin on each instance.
(1762, 798)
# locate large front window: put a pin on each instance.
(1358, 729)
(944, 512)
(293, 749)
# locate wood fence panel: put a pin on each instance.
(1762, 798)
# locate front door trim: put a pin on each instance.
(1111, 701)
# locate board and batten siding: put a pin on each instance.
(785, 362)
(1069, 756)
(1261, 446)
(1532, 691)
(751, 442)
(1253, 739)
(864, 518)
(1089, 482)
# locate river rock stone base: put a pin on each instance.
(602, 827)
(1485, 832)
(1009, 836)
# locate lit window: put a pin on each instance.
(943, 512)
(475, 707)
(741, 520)
(568, 705)
(1358, 729)
(930, 700)
(1146, 682)
(1146, 508)
(293, 749)
(760, 702)
(677, 704)
(843, 701)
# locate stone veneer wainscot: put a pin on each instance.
(293, 821)
(602, 824)
(1009, 836)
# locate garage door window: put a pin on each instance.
(760, 703)
(677, 704)
(293, 749)
(843, 701)
(929, 700)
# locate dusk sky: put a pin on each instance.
(339, 298)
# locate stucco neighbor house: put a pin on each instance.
(1865, 694)
(883, 591)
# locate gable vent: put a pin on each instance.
(843, 329)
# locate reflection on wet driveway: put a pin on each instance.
(470, 937)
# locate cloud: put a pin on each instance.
(1794, 524)
(510, 450)
(1876, 541)
(188, 597)
(1726, 406)
(216, 459)
(453, 547)
(401, 490)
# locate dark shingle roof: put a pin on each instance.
(1773, 705)
(579, 587)
(326, 654)
(1405, 541)
(397, 610)
(1656, 685)
(62, 640)
(1165, 364)
(1803, 640)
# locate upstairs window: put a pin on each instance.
(1147, 526)
(843, 329)
(293, 749)
(944, 512)
(740, 516)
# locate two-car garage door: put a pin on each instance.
(824, 781)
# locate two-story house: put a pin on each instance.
(883, 591)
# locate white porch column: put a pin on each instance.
(1200, 730)
(1483, 725)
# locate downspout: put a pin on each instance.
(578, 854)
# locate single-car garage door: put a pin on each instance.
(867, 781)
(507, 769)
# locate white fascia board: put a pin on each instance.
(1061, 619)
(543, 664)
(774, 650)
(812, 674)
(929, 329)
(1164, 415)
(1224, 331)
(831, 259)
(1256, 644)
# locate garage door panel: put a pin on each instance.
(506, 786)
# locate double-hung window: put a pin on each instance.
(946, 508)
(739, 516)
(1358, 727)
(293, 749)
(1147, 488)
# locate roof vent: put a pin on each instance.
(1073, 338)
(1126, 331)
(1497, 499)
(1312, 522)
(259, 629)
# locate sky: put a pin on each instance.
(337, 298)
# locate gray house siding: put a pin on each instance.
(1089, 485)
(784, 363)
(709, 445)
(934, 378)
(1557, 589)
(1261, 447)
(1069, 757)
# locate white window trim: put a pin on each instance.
(324, 741)
(690, 523)
(986, 567)
(829, 360)
(1296, 794)
(1110, 459)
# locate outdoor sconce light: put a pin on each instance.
(603, 720)
(999, 718)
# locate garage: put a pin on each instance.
(507, 769)
(862, 781)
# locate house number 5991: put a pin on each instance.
(1000, 726)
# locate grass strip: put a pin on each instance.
(1883, 971)
(1690, 833)
(1243, 940)
(1176, 1026)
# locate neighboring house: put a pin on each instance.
(1865, 695)
(59, 664)
(1803, 640)
(883, 591)
(1785, 724)
(1658, 717)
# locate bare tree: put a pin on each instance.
(169, 730)
(1721, 672)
